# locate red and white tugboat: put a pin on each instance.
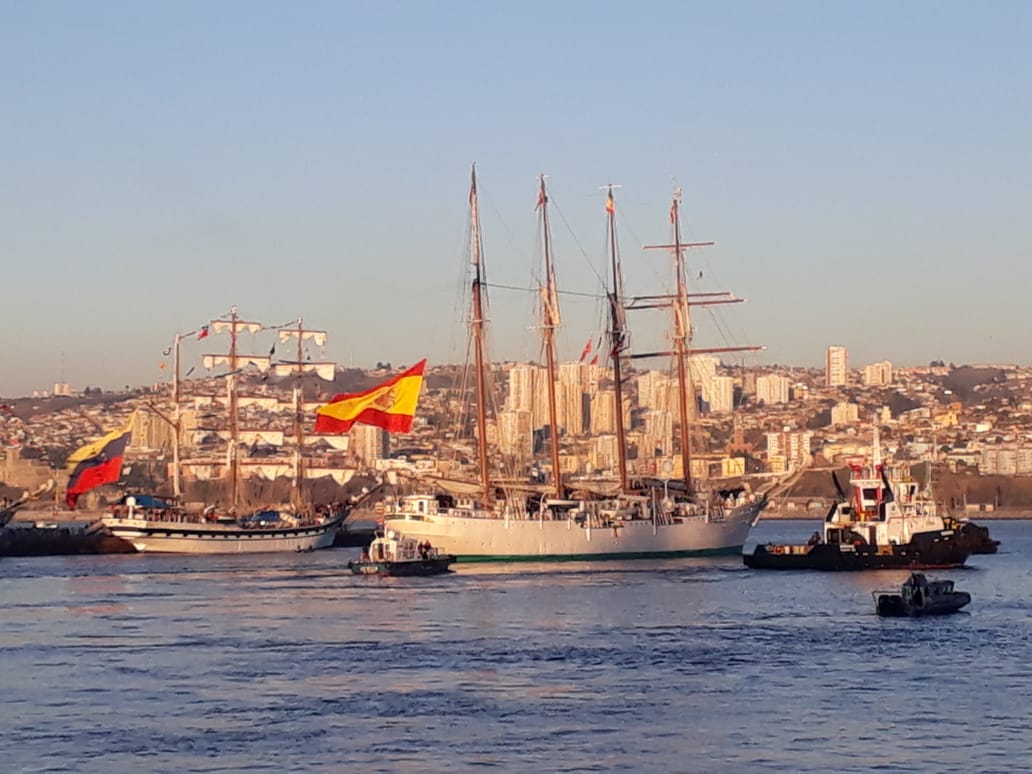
(872, 528)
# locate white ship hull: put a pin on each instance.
(189, 538)
(472, 538)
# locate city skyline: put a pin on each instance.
(861, 169)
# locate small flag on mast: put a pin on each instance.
(586, 351)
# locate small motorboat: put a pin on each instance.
(919, 596)
(397, 555)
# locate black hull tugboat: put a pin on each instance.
(924, 551)
(399, 556)
(919, 596)
(874, 528)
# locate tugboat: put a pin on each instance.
(919, 596)
(396, 555)
(873, 529)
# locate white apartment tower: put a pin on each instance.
(878, 374)
(836, 367)
(367, 443)
(515, 434)
(721, 396)
(603, 412)
(772, 388)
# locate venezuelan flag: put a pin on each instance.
(390, 405)
(97, 463)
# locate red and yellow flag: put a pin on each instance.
(97, 463)
(390, 405)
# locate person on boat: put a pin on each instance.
(364, 556)
(815, 539)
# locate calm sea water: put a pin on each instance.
(284, 663)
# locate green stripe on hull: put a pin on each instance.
(727, 551)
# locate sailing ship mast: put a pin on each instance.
(549, 324)
(234, 325)
(176, 419)
(617, 333)
(477, 324)
(298, 368)
(682, 301)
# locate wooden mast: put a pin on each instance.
(477, 327)
(682, 334)
(549, 324)
(234, 424)
(297, 368)
(682, 301)
(616, 337)
(233, 325)
(176, 419)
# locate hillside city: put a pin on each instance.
(967, 420)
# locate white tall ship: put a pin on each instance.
(154, 526)
(484, 522)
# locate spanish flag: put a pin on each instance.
(97, 463)
(390, 405)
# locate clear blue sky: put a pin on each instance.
(864, 168)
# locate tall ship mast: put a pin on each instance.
(549, 324)
(477, 325)
(235, 361)
(177, 429)
(297, 368)
(617, 335)
(681, 302)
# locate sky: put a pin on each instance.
(863, 168)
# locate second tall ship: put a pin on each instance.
(154, 526)
(487, 521)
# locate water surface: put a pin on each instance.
(288, 662)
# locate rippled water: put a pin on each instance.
(279, 663)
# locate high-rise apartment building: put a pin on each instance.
(836, 367)
(367, 443)
(721, 397)
(878, 374)
(515, 435)
(772, 388)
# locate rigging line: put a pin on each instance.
(582, 294)
(292, 323)
(584, 254)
